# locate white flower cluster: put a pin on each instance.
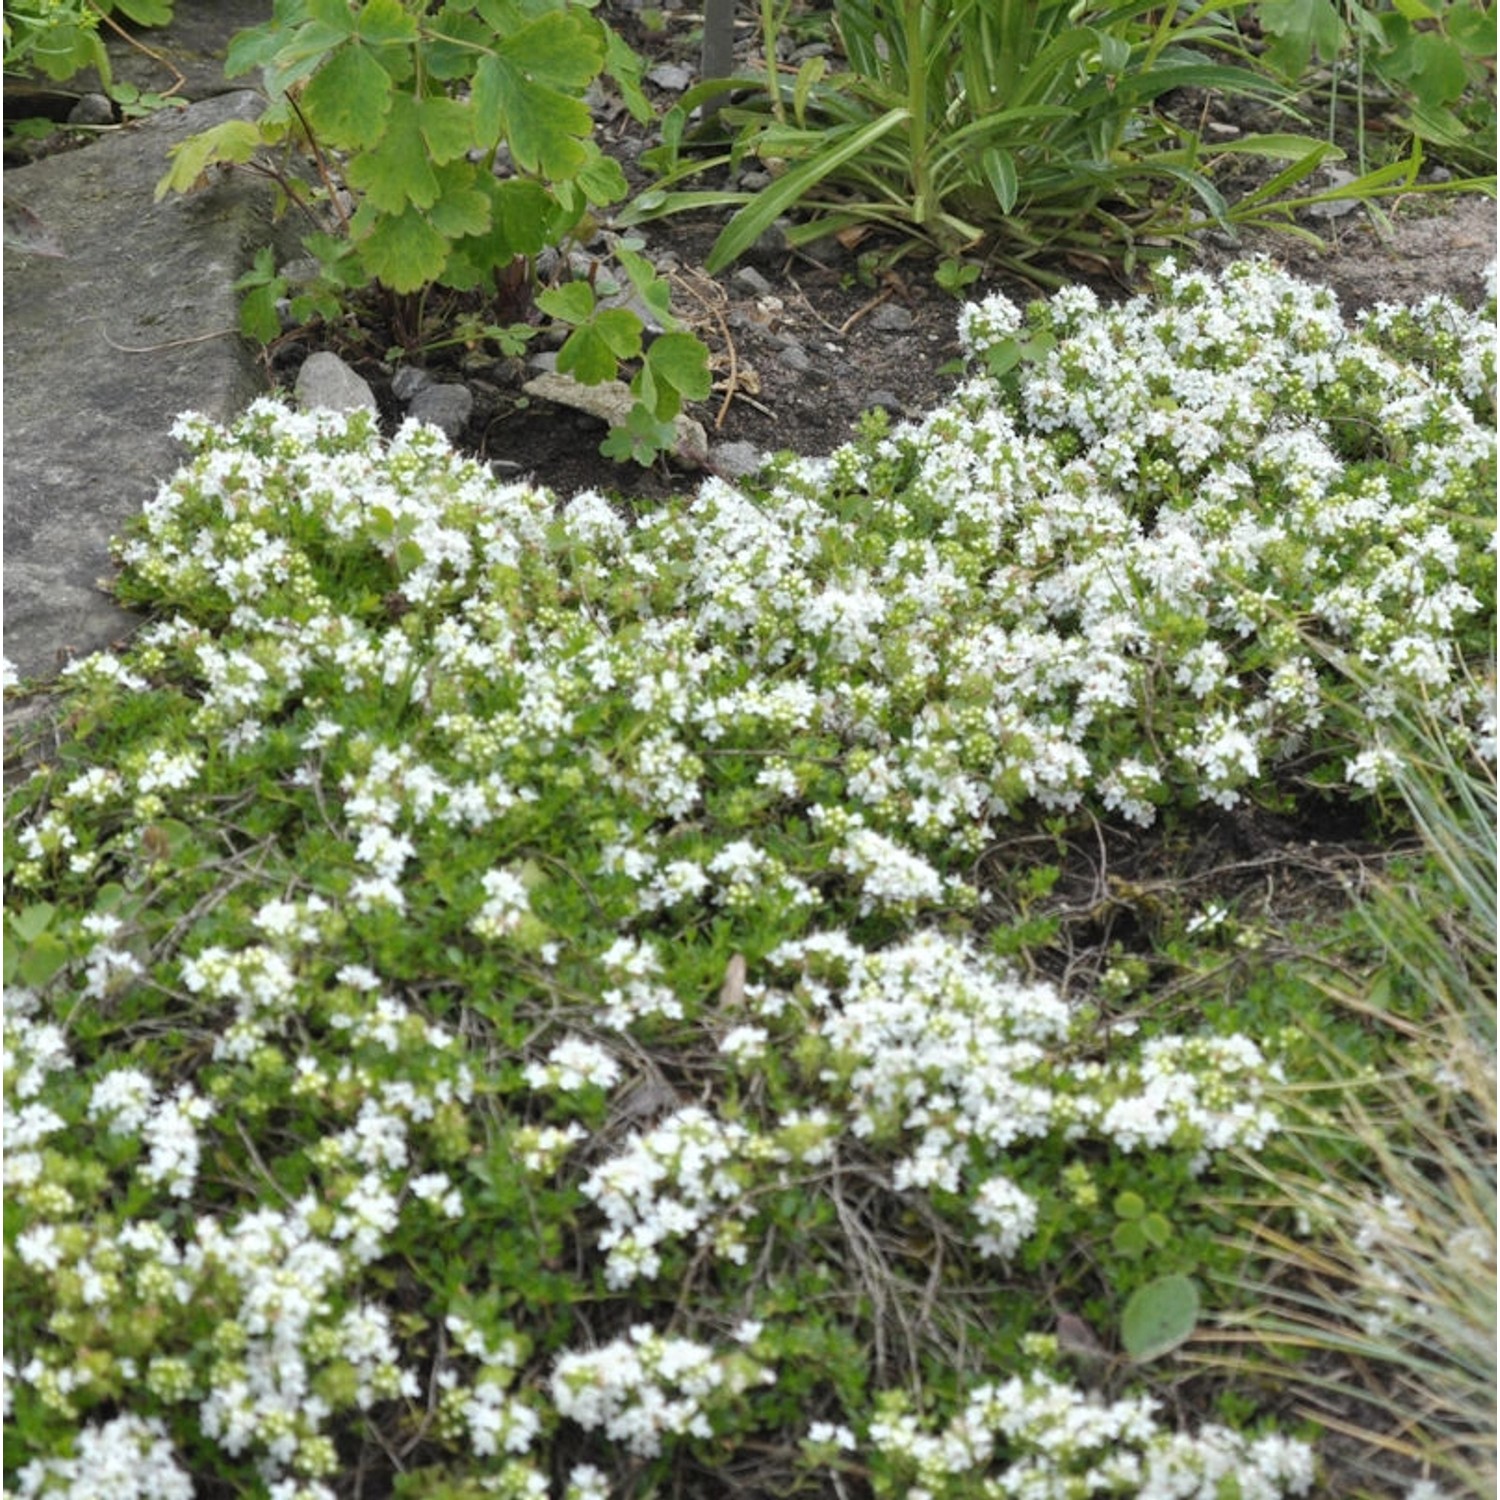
(1039, 1437)
(125, 1458)
(648, 1386)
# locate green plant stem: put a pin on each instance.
(916, 101)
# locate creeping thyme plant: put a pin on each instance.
(514, 999)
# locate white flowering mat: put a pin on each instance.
(507, 998)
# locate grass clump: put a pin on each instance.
(508, 998)
(1373, 1264)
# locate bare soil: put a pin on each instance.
(856, 359)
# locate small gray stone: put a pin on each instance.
(671, 76)
(302, 271)
(748, 279)
(886, 400)
(755, 181)
(409, 380)
(326, 383)
(771, 245)
(891, 317)
(738, 460)
(544, 360)
(92, 109)
(826, 251)
(448, 407)
(794, 357)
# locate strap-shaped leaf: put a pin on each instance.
(765, 208)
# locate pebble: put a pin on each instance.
(326, 383)
(748, 279)
(409, 379)
(887, 400)
(771, 245)
(670, 76)
(891, 317)
(447, 407)
(755, 181)
(738, 460)
(794, 357)
(92, 109)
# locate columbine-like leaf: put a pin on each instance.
(461, 209)
(398, 170)
(678, 363)
(447, 127)
(404, 251)
(349, 99)
(544, 128)
(649, 287)
(573, 302)
(593, 351)
(601, 177)
(527, 93)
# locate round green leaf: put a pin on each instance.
(1159, 1317)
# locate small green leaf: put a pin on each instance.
(258, 318)
(231, 141)
(398, 170)
(32, 921)
(681, 361)
(621, 330)
(383, 23)
(560, 48)
(461, 211)
(348, 99)
(1129, 1205)
(42, 959)
(602, 179)
(1157, 1229)
(1159, 1317)
(587, 357)
(642, 438)
(649, 287)
(252, 48)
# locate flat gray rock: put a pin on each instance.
(104, 345)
